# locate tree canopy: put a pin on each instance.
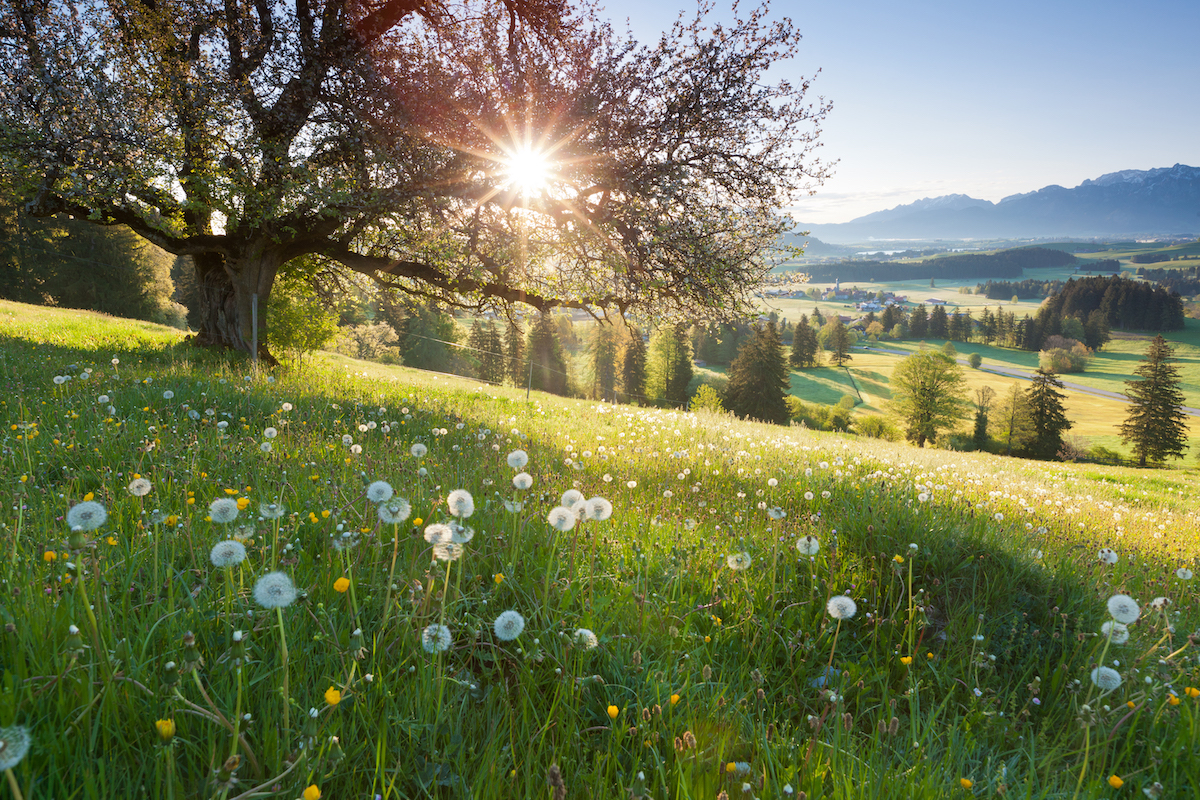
(928, 394)
(477, 155)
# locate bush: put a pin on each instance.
(300, 320)
(706, 398)
(1064, 355)
(371, 342)
(877, 427)
(819, 417)
(847, 402)
(975, 360)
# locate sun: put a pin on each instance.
(527, 170)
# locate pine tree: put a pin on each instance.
(1047, 415)
(939, 324)
(759, 378)
(602, 357)
(839, 342)
(475, 346)
(633, 368)
(670, 365)
(514, 352)
(918, 322)
(804, 345)
(491, 361)
(545, 353)
(1156, 423)
(983, 404)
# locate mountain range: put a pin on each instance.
(1130, 203)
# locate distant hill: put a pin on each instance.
(1162, 201)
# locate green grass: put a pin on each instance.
(744, 651)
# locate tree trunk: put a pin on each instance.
(226, 292)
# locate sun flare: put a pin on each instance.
(527, 170)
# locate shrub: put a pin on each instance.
(1064, 355)
(819, 417)
(706, 398)
(847, 402)
(877, 427)
(975, 360)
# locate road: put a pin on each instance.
(1015, 372)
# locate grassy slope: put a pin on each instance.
(741, 649)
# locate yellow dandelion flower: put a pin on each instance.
(49, 556)
(498, 578)
(731, 767)
(312, 792)
(325, 514)
(341, 585)
(906, 660)
(89, 496)
(965, 783)
(899, 559)
(674, 699)
(1115, 781)
(1192, 692)
(417, 522)
(166, 729)
(333, 696)
(243, 503)
(1131, 704)
(613, 711)
(191, 501)
(111, 540)
(1172, 699)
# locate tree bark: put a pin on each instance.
(226, 290)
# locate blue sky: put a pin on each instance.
(983, 98)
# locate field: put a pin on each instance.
(767, 612)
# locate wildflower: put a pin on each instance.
(517, 459)
(1115, 781)
(1172, 699)
(1153, 791)
(228, 553)
(86, 516)
(598, 509)
(243, 503)
(808, 545)
(1107, 555)
(460, 503)
(274, 590)
(286, 407)
(522, 480)
(1123, 608)
(139, 487)
(394, 511)
(15, 741)
(1106, 678)
(841, 607)
(341, 585)
(738, 561)
(166, 729)
(674, 699)
(1160, 603)
(508, 625)
(584, 638)
(1183, 573)
(271, 510)
(312, 792)
(447, 551)
(270, 433)
(906, 660)
(49, 556)
(223, 510)
(966, 783)
(613, 711)
(435, 638)
(418, 450)
(1192, 692)
(333, 696)
(379, 491)
(1116, 632)
(561, 519)
(438, 533)
(899, 559)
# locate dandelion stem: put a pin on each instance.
(284, 655)
(237, 713)
(387, 595)
(12, 784)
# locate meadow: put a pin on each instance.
(366, 581)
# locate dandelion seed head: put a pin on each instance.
(808, 545)
(522, 480)
(223, 510)
(571, 497)
(139, 487)
(1183, 573)
(461, 534)
(379, 492)
(228, 553)
(1106, 678)
(585, 638)
(274, 590)
(14, 744)
(438, 533)
(418, 450)
(435, 638)
(1116, 632)
(1123, 608)
(1107, 555)
(270, 433)
(394, 511)
(460, 503)
(508, 625)
(738, 561)
(841, 607)
(598, 509)
(517, 459)
(561, 519)
(271, 510)
(86, 516)
(447, 551)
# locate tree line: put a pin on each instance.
(1005, 264)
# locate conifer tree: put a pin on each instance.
(983, 404)
(545, 353)
(839, 341)
(475, 345)
(514, 352)
(633, 368)
(804, 345)
(1047, 415)
(918, 322)
(602, 357)
(670, 365)
(939, 324)
(491, 361)
(1156, 423)
(758, 378)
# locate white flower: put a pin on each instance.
(228, 553)
(356, 449)
(286, 407)
(168, 394)
(841, 607)
(1106, 678)
(86, 516)
(347, 439)
(1116, 632)
(522, 480)
(738, 561)
(271, 510)
(517, 459)
(1107, 555)
(461, 534)
(435, 638)
(808, 545)
(583, 637)
(270, 433)
(1123, 608)
(102, 399)
(508, 625)
(1159, 603)
(438, 533)
(139, 487)
(418, 450)
(460, 503)
(223, 509)
(1183, 573)
(513, 506)
(274, 590)
(394, 511)
(265, 447)
(571, 497)
(379, 491)
(561, 519)
(15, 741)
(598, 509)
(776, 513)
